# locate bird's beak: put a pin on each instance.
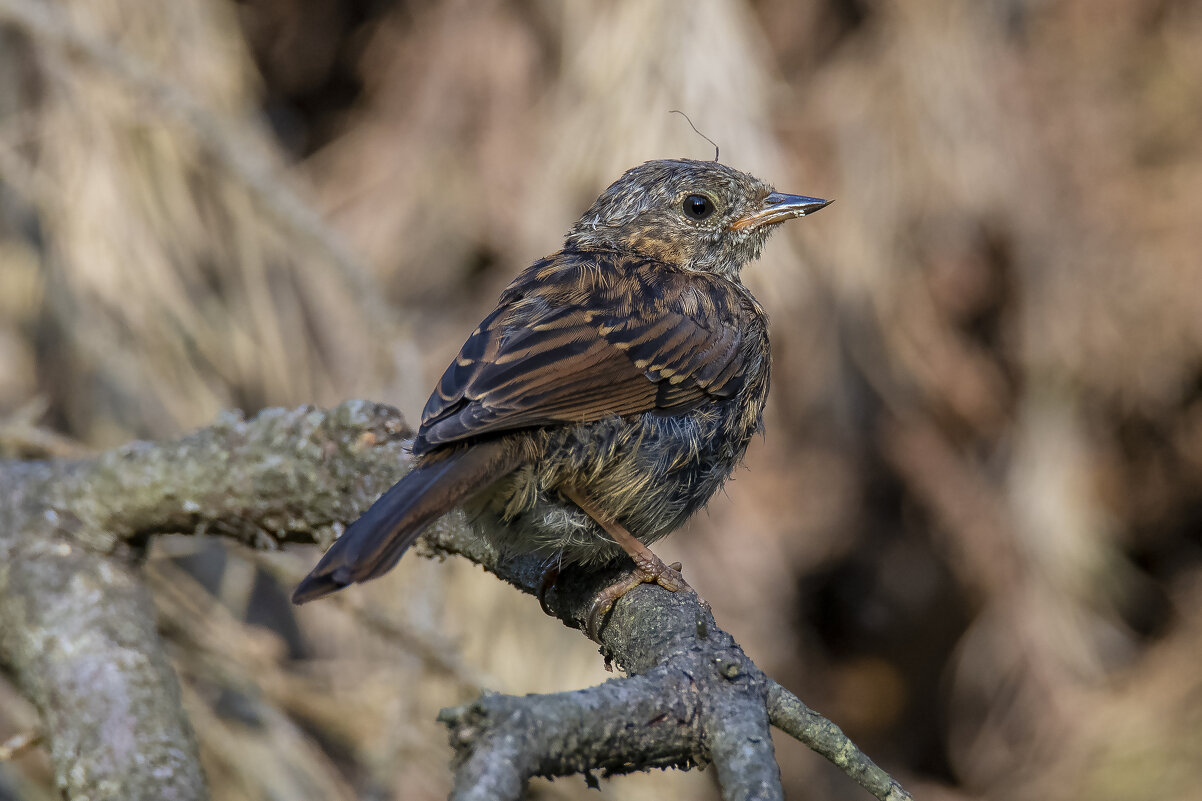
(779, 207)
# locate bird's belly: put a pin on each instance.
(649, 473)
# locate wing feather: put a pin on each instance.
(574, 340)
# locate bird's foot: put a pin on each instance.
(649, 569)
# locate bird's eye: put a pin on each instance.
(698, 207)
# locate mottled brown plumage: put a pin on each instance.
(612, 390)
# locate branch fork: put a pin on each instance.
(691, 696)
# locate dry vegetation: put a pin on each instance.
(973, 533)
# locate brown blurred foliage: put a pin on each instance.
(973, 533)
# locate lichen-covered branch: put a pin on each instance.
(617, 727)
(671, 644)
(649, 630)
(67, 529)
(789, 714)
(77, 632)
(77, 627)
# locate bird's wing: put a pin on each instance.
(571, 345)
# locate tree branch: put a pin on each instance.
(77, 632)
(500, 741)
(789, 714)
(692, 697)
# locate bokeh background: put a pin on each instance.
(973, 533)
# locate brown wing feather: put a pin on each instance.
(573, 340)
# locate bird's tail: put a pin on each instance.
(375, 542)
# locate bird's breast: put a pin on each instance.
(650, 472)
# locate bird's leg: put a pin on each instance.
(648, 568)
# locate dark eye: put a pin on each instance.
(698, 207)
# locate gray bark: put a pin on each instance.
(77, 630)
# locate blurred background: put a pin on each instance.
(973, 533)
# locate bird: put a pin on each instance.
(608, 396)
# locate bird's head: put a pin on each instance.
(698, 215)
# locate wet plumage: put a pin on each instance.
(623, 375)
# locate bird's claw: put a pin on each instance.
(646, 571)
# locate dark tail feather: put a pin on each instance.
(375, 542)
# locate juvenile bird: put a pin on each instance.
(607, 397)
